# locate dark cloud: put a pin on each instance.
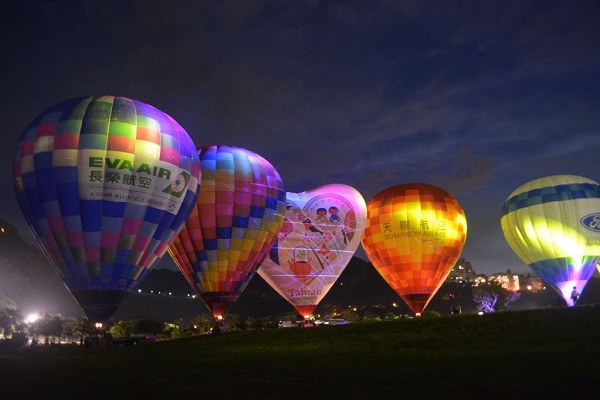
(476, 97)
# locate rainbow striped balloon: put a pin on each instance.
(105, 184)
(553, 225)
(239, 212)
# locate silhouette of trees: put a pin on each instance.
(11, 322)
(492, 297)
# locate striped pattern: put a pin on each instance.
(541, 222)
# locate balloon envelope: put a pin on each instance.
(322, 230)
(105, 184)
(415, 233)
(235, 222)
(553, 225)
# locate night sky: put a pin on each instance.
(476, 97)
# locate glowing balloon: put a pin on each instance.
(105, 184)
(553, 225)
(322, 230)
(239, 211)
(415, 233)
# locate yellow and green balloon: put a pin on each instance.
(553, 225)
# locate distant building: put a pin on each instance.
(461, 272)
(532, 283)
(508, 281)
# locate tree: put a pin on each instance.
(350, 315)
(78, 326)
(203, 322)
(252, 323)
(11, 322)
(492, 297)
(123, 328)
(370, 316)
(50, 327)
(232, 322)
(172, 330)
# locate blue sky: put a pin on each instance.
(476, 97)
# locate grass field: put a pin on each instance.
(540, 354)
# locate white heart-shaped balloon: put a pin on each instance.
(321, 231)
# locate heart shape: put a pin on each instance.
(321, 231)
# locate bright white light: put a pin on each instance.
(31, 318)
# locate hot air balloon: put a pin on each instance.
(415, 233)
(553, 225)
(105, 184)
(322, 230)
(239, 211)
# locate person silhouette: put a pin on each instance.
(574, 295)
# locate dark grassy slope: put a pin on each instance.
(551, 353)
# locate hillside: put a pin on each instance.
(28, 279)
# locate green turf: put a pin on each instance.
(540, 354)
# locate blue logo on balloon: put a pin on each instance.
(592, 222)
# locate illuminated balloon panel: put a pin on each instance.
(321, 231)
(553, 225)
(105, 184)
(238, 213)
(414, 235)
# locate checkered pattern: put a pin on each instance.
(98, 246)
(414, 235)
(238, 214)
(541, 223)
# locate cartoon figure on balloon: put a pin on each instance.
(327, 224)
(300, 263)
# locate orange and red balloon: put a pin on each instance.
(414, 235)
